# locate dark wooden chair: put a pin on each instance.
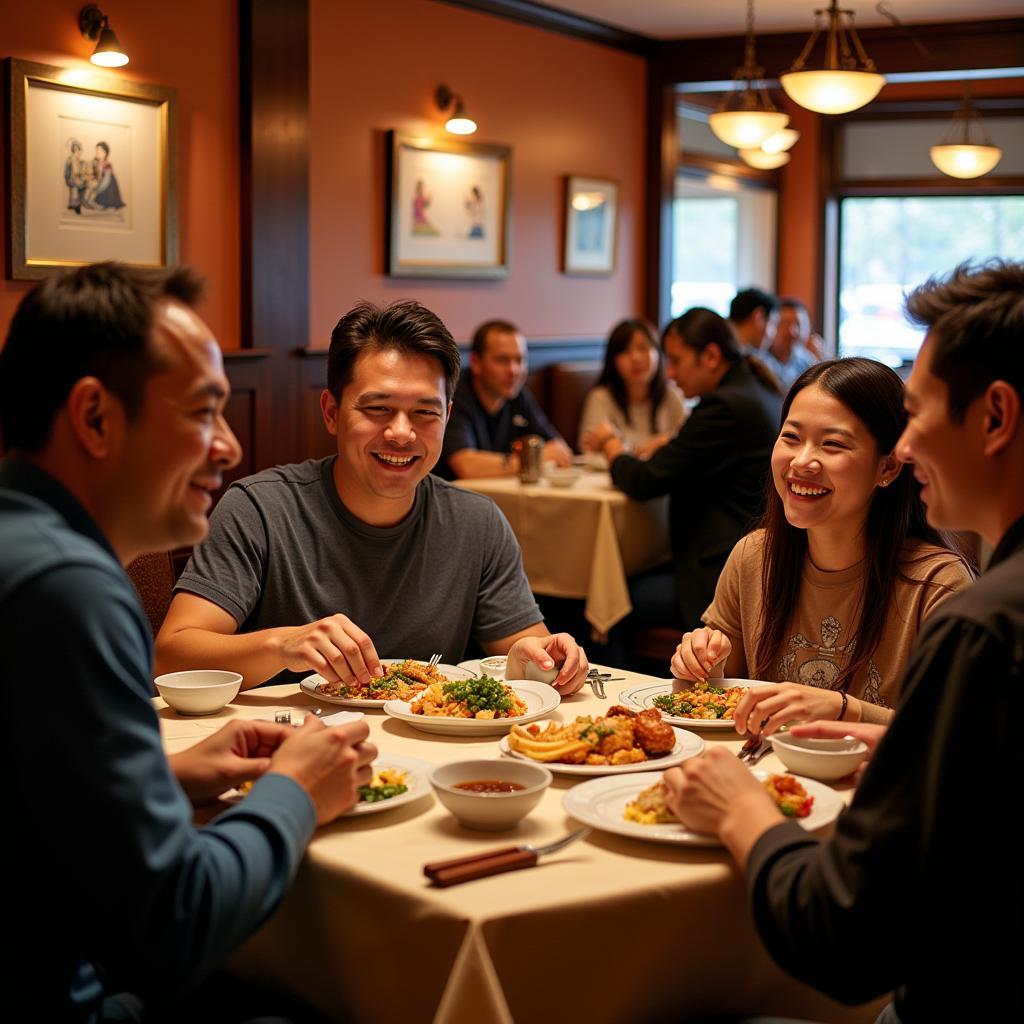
(153, 577)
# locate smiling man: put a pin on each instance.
(877, 908)
(328, 565)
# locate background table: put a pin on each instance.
(582, 541)
(609, 930)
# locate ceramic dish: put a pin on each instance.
(540, 701)
(642, 697)
(601, 803)
(310, 683)
(418, 781)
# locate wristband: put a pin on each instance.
(842, 710)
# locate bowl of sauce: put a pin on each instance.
(491, 795)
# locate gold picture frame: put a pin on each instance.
(91, 170)
(447, 209)
(591, 226)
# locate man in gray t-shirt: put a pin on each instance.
(328, 565)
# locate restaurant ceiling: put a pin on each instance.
(677, 19)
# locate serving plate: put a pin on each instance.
(687, 745)
(418, 781)
(601, 803)
(310, 683)
(640, 698)
(540, 700)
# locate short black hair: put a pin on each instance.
(94, 321)
(479, 344)
(975, 318)
(699, 327)
(749, 299)
(790, 303)
(404, 326)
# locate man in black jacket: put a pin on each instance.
(920, 890)
(714, 468)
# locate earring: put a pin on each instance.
(884, 482)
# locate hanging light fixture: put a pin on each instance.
(847, 80)
(781, 141)
(966, 151)
(94, 24)
(746, 116)
(459, 123)
(763, 160)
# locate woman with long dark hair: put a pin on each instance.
(829, 593)
(632, 393)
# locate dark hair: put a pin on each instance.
(976, 321)
(699, 327)
(479, 344)
(874, 394)
(788, 303)
(106, 148)
(747, 300)
(618, 342)
(406, 327)
(94, 321)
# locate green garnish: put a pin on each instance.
(374, 794)
(483, 694)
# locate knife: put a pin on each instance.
(494, 862)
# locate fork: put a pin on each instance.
(597, 684)
(435, 660)
(755, 747)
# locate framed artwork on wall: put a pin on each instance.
(91, 171)
(591, 219)
(448, 208)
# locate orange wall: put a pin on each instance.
(205, 74)
(800, 198)
(563, 106)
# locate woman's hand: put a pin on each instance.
(699, 653)
(766, 709)
(594, 439)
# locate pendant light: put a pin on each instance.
(763, 160)
(966, 151)
(746, 116)
(847, 80)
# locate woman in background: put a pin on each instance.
(632, 393)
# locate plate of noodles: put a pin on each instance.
(403, 679)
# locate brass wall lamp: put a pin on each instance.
(94, 24)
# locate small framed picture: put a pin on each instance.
(92, 171)
(448, 209)
(591, 216)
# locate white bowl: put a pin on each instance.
(490, 812)
(494, 666)
(200, 692)
(566, 476)
(531, 670)
(819, 759)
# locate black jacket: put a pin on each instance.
(715, 469)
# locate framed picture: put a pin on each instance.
(91, 171)
(448, 209)
(591, 215)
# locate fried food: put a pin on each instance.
(400, 682)
(482, 698)
(650, 807)
(792, 799)
(385, 784)
(702, 701)
(620, 737)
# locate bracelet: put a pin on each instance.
(842, 710)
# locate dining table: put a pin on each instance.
(611, 929)
(582, 539)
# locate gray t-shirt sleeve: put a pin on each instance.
(504, 604)
(229, 566)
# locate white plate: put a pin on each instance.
(310, 683)
(640, 698)
(540, 699)
(687, 745)
(601, 803)
(418, 781)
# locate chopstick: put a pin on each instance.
(492, 862)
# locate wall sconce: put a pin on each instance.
(746, 116)
(460, 123)
(847, 80)
(94, 24)
(966, 151)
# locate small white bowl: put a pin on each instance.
(566, 476)
(494, 666)
(531, 670)
(200, 692)
(827, 760)
(490, 812)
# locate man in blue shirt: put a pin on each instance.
(789, 351)
(112, 395)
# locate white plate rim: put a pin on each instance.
(419, 772)
(548, 697)
(630, 698)
(309, 684)
(676, 756)
(575, 803)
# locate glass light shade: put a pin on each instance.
(460, 125)
(108, 52)
(762, 160)
(832, 92)
(965, 161)
(746, 129)
(781, 141)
